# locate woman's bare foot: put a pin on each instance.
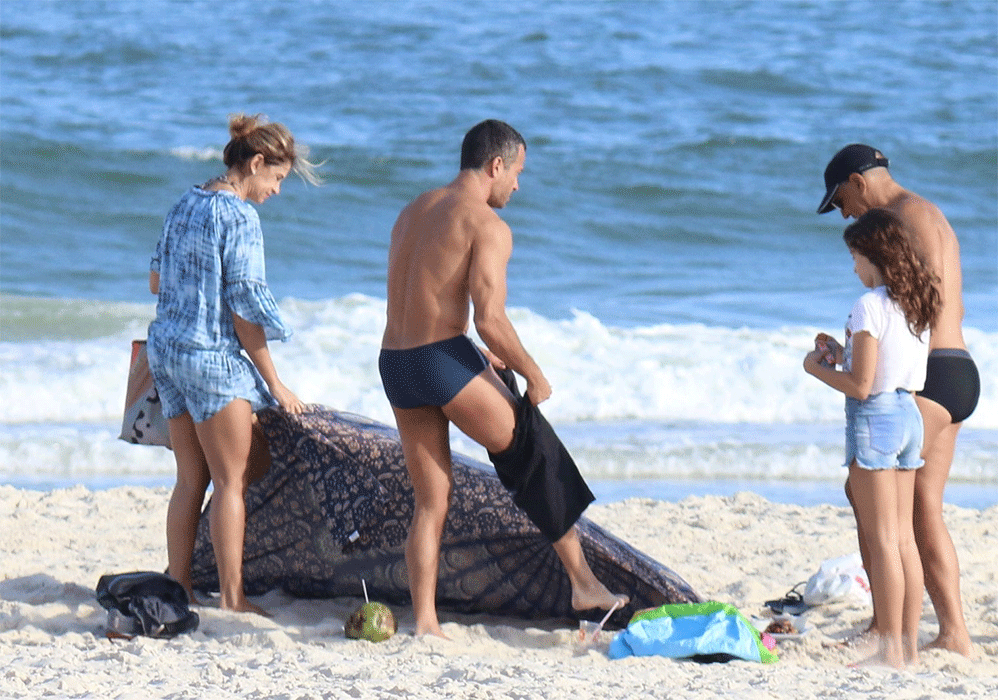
(245, 606)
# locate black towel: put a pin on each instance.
(539, 472)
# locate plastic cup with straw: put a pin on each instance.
(589, 631)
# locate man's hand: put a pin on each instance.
(493, 358)
(538, 389)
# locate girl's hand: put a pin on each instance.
(829, 348)
(827, 340)
(286, 399)
(813, 360)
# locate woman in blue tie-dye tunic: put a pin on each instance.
(208, 343)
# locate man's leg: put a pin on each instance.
(426, 447)
(935, 546)
(484, 410)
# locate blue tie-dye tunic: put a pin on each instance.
(210, 262)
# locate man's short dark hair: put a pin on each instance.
(488, 140)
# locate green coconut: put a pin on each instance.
(373, 622)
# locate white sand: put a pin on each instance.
(741, 550)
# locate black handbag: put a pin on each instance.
(146, 603)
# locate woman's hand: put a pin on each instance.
(286, 399)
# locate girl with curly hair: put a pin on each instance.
(883, 364)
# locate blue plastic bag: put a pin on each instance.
(708, 631)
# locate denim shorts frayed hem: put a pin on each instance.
(884, 431)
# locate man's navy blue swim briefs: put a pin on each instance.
(432, 374)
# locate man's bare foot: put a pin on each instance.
(431, 628)
(957, 646)
(596, 596)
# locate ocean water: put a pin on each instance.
(669, 272)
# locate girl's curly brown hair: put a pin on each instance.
(879, 235)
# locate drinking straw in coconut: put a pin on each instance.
(364, 584)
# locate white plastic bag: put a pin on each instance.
(840, 579)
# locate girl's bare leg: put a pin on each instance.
(876, 499)
(864, 555)
(913, 581)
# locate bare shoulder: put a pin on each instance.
(917, 212)
(923, 219)
(475, 218)
(424, 202)
(490, 232)
(417, 214)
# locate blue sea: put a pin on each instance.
(669, 271)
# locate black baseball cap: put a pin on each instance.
(855, 158)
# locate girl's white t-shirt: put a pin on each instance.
(901, 355)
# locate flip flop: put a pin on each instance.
(791, 604)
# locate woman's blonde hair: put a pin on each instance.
(254, 134)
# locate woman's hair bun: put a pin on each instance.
(242, 125)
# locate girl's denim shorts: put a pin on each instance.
(884, 432)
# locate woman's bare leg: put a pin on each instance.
(225, 439)
(184, 512)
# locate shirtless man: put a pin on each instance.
(856, 180)
(449, 247)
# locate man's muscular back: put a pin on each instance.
(429, 265)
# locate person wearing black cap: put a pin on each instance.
(857, 179)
